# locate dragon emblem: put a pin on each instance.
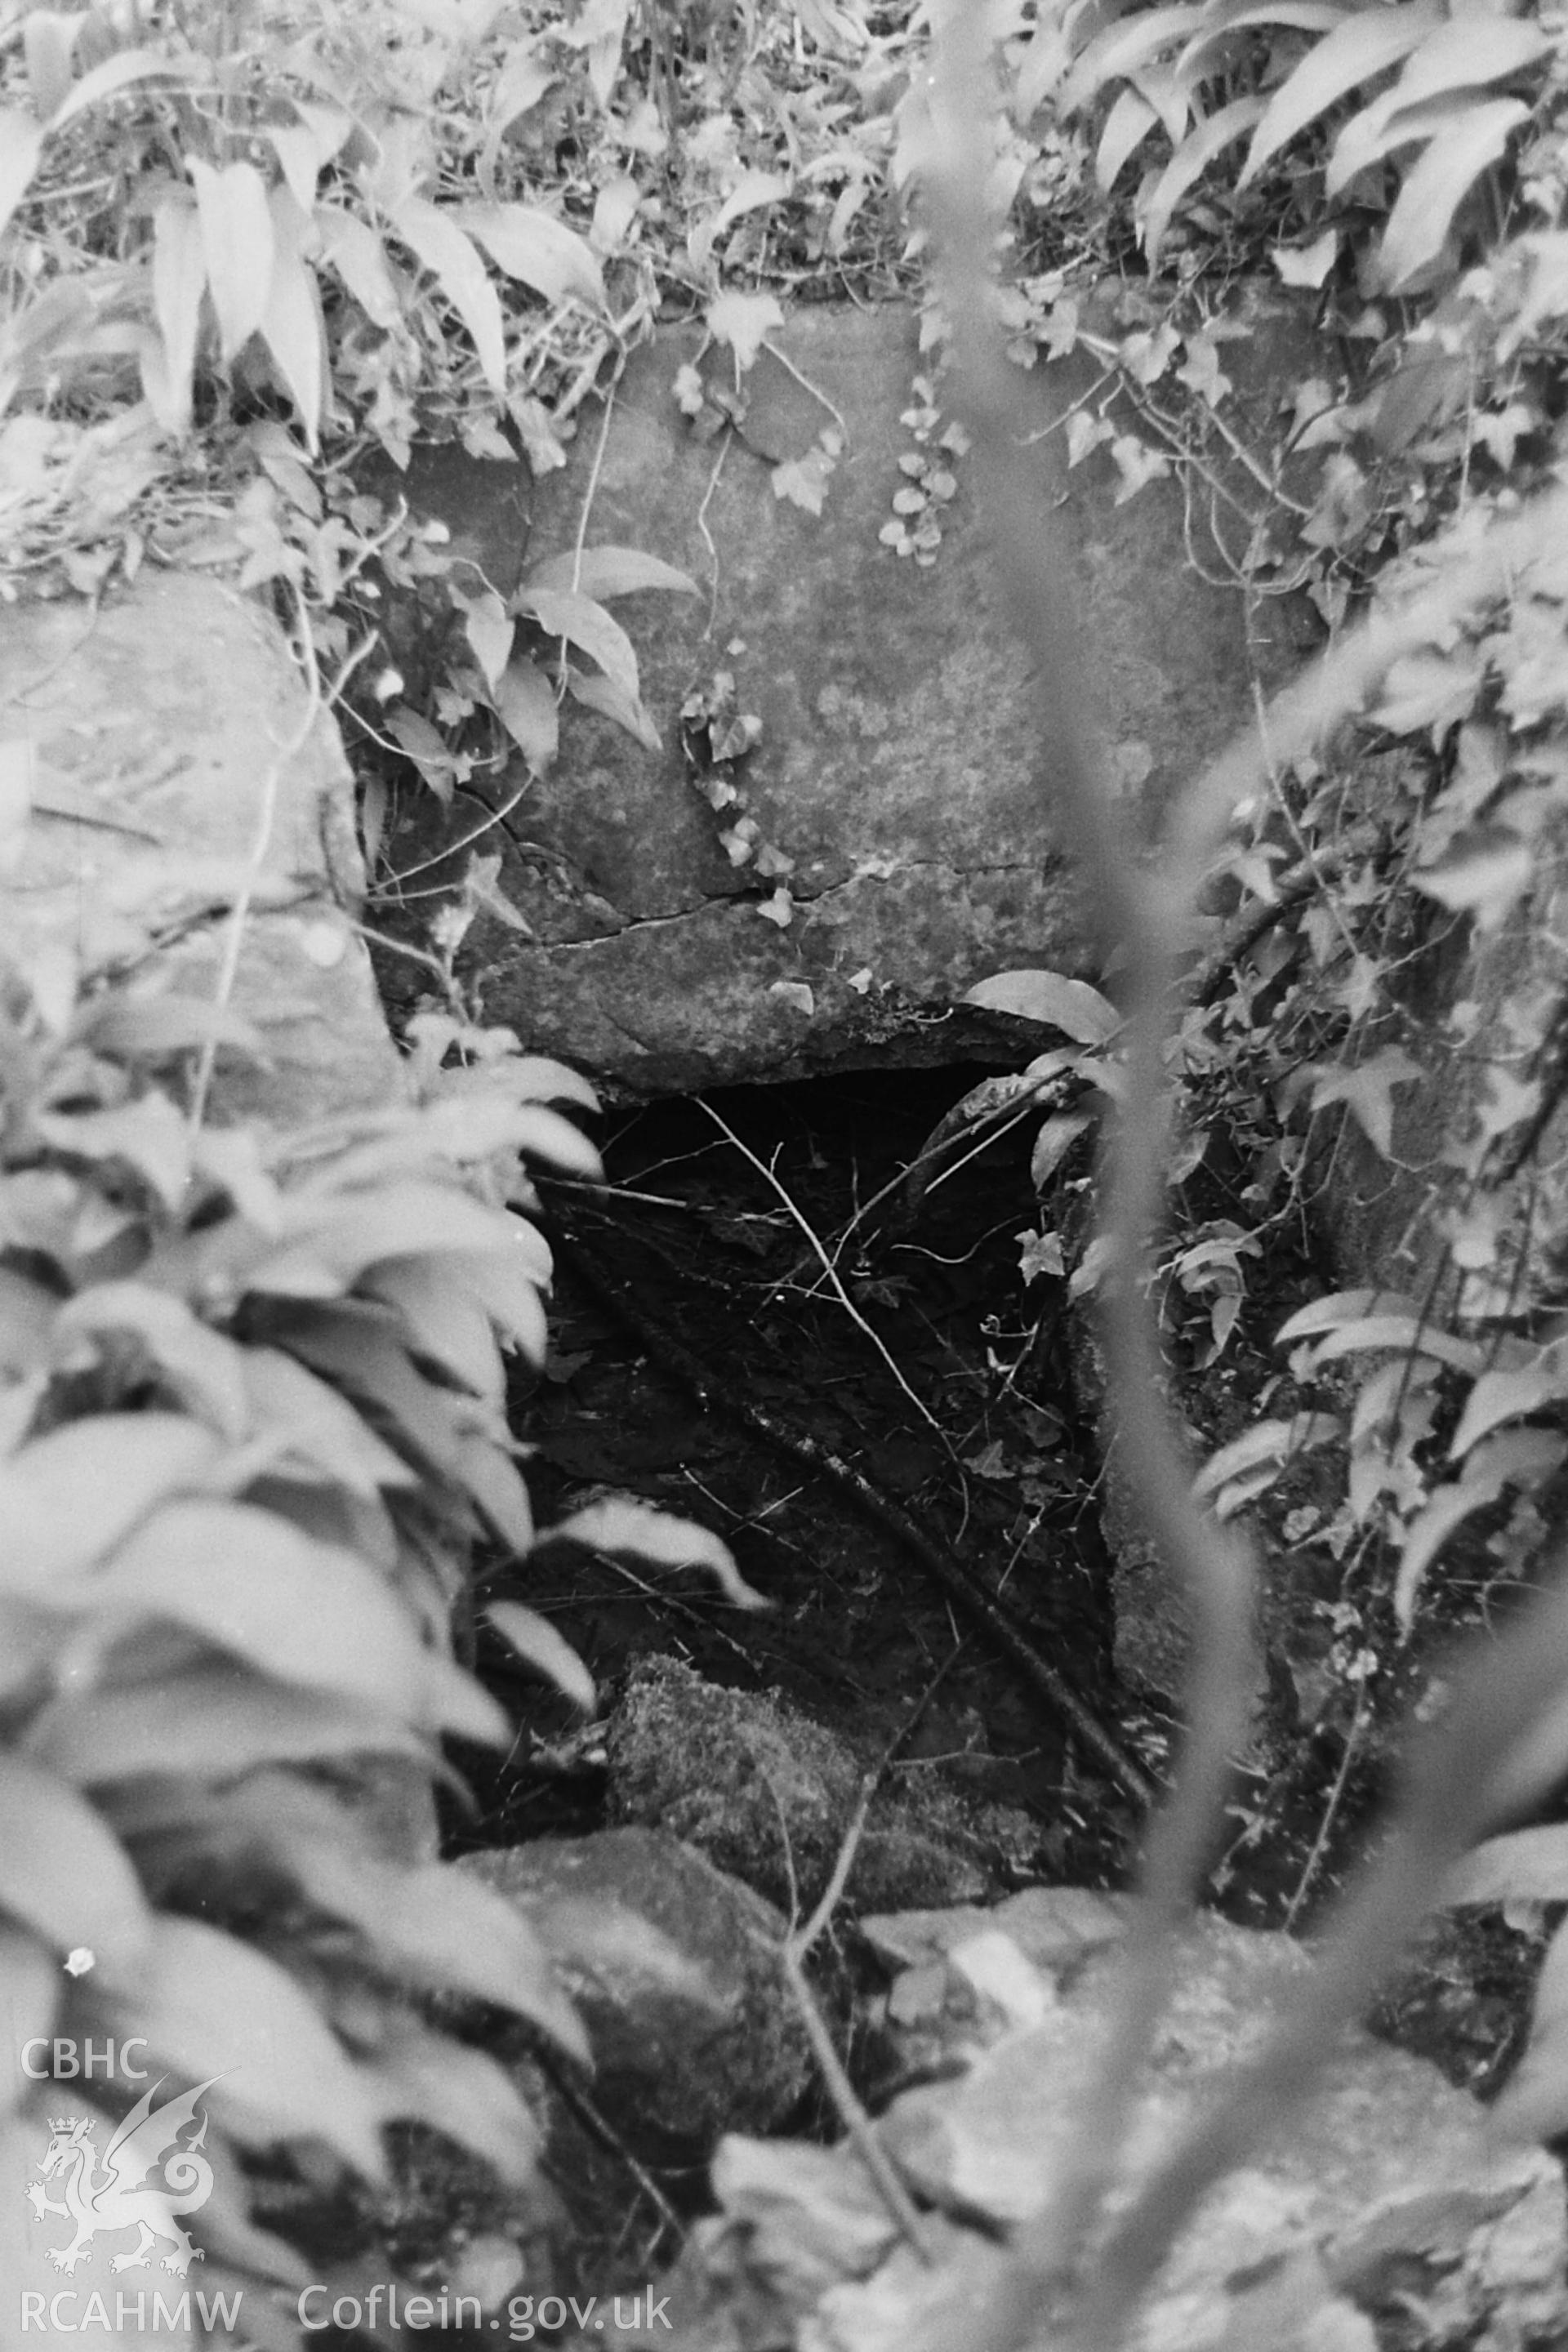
(124, 2196)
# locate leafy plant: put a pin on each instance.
(252, 1418)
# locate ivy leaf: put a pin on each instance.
(536, 248)
(1429, 691)
(1307, 265)
(1052, 999)
(432, 234)
(238, 245)
(1435, 190)
(803, 480)
(1485, 872)
(742, 322)
(1367, 1088)
(64, 1873)
(1363, 46)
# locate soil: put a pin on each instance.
(928, 1368)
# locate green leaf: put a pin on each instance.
(291, 325)
(742, 322)
(1399, 1334)
(461, 2092)
(619, 1523)
(237, 244)
(1120, 50)
(1343, 1307)
(751, 193)
(1500, 1396)
(122, 71)
(1524, 1866)
(1433, 193)
(313, 1425)
(490, 631)
(30, 1988)
(443, 1321)
(1223, 21)
(218, 2013)
(1535, 2105)
(155, 1028)
(49, 44)
(1127, 126)
(504, 1284)
(1275, 1441)
(1518, 1454)
(1365, 45)
(604, 572)
(611, 701)
(443, 1927)
(1052, 999)
(149, 1134)
(538, 250)
(250, 1584)
(355, 252)
(212, 1723)
(534, 1638)
(522, 1077)
(327, 1241)
(66, 1499)
(21, 144)
(204, 1370)
(64, 1873)
(432, 234)
(582, 622)
(28, 1313)
(1467, 53)
(1190, 162)
(1367, 1088)
(485, 1468)
(1055, 1141)
(524, 701)
(179, 281)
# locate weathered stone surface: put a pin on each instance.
(170, 729)
(675, 1970)
(1381, 2214)
(768, 1795)
(897, 765)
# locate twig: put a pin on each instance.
(956, 1580)
(829, 1269)
(856, 2122)
(590, 492)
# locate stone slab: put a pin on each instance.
(897, 765)
(170, 737)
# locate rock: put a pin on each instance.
(172, 734)
(167, 728)
(898, 766)
(675, 1970)
(1383, 2215)
(764, 1792)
